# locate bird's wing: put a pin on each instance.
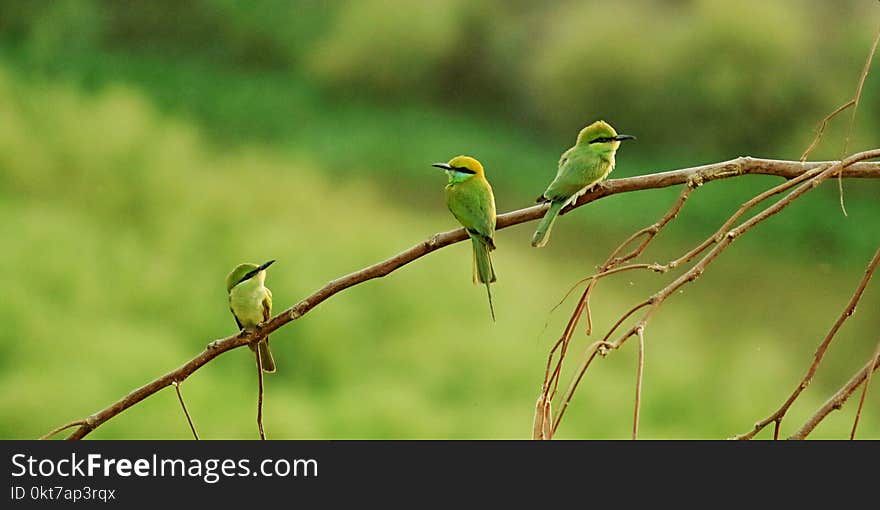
(552, 191)
(267, 309)
(564, 159)
(578, 170)
(267, 305)
(237, 322)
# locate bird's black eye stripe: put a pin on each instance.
(248, 276)
(601, 139)
(465, 170)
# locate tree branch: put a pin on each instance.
(779, 414)
(722, 239)
(852, 434)
(185, 412)
(838, 399)
(700, 174)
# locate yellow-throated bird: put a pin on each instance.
(251, 303)
(469, 197)
(580, 168)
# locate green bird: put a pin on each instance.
(470, 199)
(251, 303)
(580, 168)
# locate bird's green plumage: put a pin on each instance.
(470, 199)
(580, 168)
(250, 302)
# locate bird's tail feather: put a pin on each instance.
(484, 272)
(542, 234)
(266, 358)
(491, 306)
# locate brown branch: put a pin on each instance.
(589, 355)
(852, 102)
(185, 412)
(66, 426)
(852, 434)
(704, 173)
(779, 414)
(612, 264)
(639, 375)
(697, 270)
(838, 399)
(541, 427)
(609, 267)
(857, 98)
(824, 124)
(818, 175)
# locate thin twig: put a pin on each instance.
(543, 413)
(188, 419)
(704, 173)
(656, 301)
(614, 260)
(590, 355)
(858, 95)
(822, 125)
(852, 434)
(606, 269)
(847, 312)
(66, 426)
(745, 207)
(837, 400)
(639, 374)
(552, 379)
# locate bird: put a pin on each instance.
(250, 302)
(580, 168)
(469, 197)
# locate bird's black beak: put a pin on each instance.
(621, 138)
(256, 271)
(444, 166)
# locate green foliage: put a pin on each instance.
(389, 47)
(713, 78)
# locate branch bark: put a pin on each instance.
(721, 240)
(699, 174)
(837, 400)
(779, 414)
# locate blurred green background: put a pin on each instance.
(148, 147)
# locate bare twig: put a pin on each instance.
(852, 434)
(66, 426)
(858, 95)
(609, 267)
(612, 264)
(185, 412)
(722, 238)
(721, 243)
(779, 414)
(705, 173)
(541, 428)
(854, 103)
(639, 374)
(589, 355)
(837, 400)
(824, 124)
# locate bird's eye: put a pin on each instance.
(601, 139)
